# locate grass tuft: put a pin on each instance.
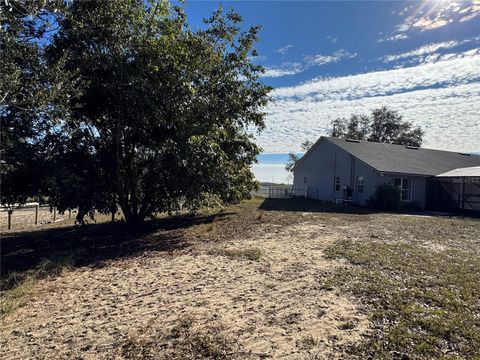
(252, 254)
(183, 341)
(15, 297)
(55, 266)
(306, 343)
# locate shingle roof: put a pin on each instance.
(391, 158)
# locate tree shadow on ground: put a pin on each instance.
(310, 205)
(43, 252)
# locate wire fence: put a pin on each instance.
(30, 215)
(278, 192)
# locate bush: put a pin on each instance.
(386, 197)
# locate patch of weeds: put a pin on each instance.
(423, 304)
(183, 341)
(16, 296)
(293, 318)
(306, 343)
(252, 254)
(55, 266)
(15, 290)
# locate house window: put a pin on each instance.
(337, 183)
(405, 186)
(360, 183)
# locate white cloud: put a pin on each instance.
(441, 97)
(429, 49)
(332, 39)
(284, 70)
(284, 49)
(431, 15)
(326, 59)
(393, 38)
(436, 14)
(308, 61)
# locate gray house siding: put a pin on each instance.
(317, 171)
(315, 176)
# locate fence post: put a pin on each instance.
(36, 214)
(10, 212)
(54, 213)
(69, 213)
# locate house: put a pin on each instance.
(338, 170)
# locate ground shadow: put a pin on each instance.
(310, 205)
(43, 252)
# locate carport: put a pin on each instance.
(457, 190)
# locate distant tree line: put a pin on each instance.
(121, 102)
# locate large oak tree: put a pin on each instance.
(161, 115)
(165, 112)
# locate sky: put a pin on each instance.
(331, 59)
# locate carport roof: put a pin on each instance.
(390, 158)
(473, 171)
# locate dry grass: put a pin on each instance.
(182, 341)
(16, 297)
(252, 254)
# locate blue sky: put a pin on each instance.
(331, 59)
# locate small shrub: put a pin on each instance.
(386, 197)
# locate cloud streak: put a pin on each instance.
(428, 49)
(284, 49)
(308, 61)
(431, 15)
(326, 59)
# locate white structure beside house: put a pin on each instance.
(350, 170)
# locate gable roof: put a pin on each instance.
(390, 158)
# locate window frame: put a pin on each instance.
(337, 184)
(360, 184)
(408, 190)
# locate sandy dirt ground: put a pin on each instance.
(270, 308)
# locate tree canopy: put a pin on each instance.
(383, 125)
(152, 115)
(293, 158)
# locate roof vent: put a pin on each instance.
(353, 140)
(411, 147)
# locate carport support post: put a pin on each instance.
(463, 193)
(36, 214)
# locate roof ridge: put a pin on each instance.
(361, 141)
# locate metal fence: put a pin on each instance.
(278, 192)
(30, 215)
